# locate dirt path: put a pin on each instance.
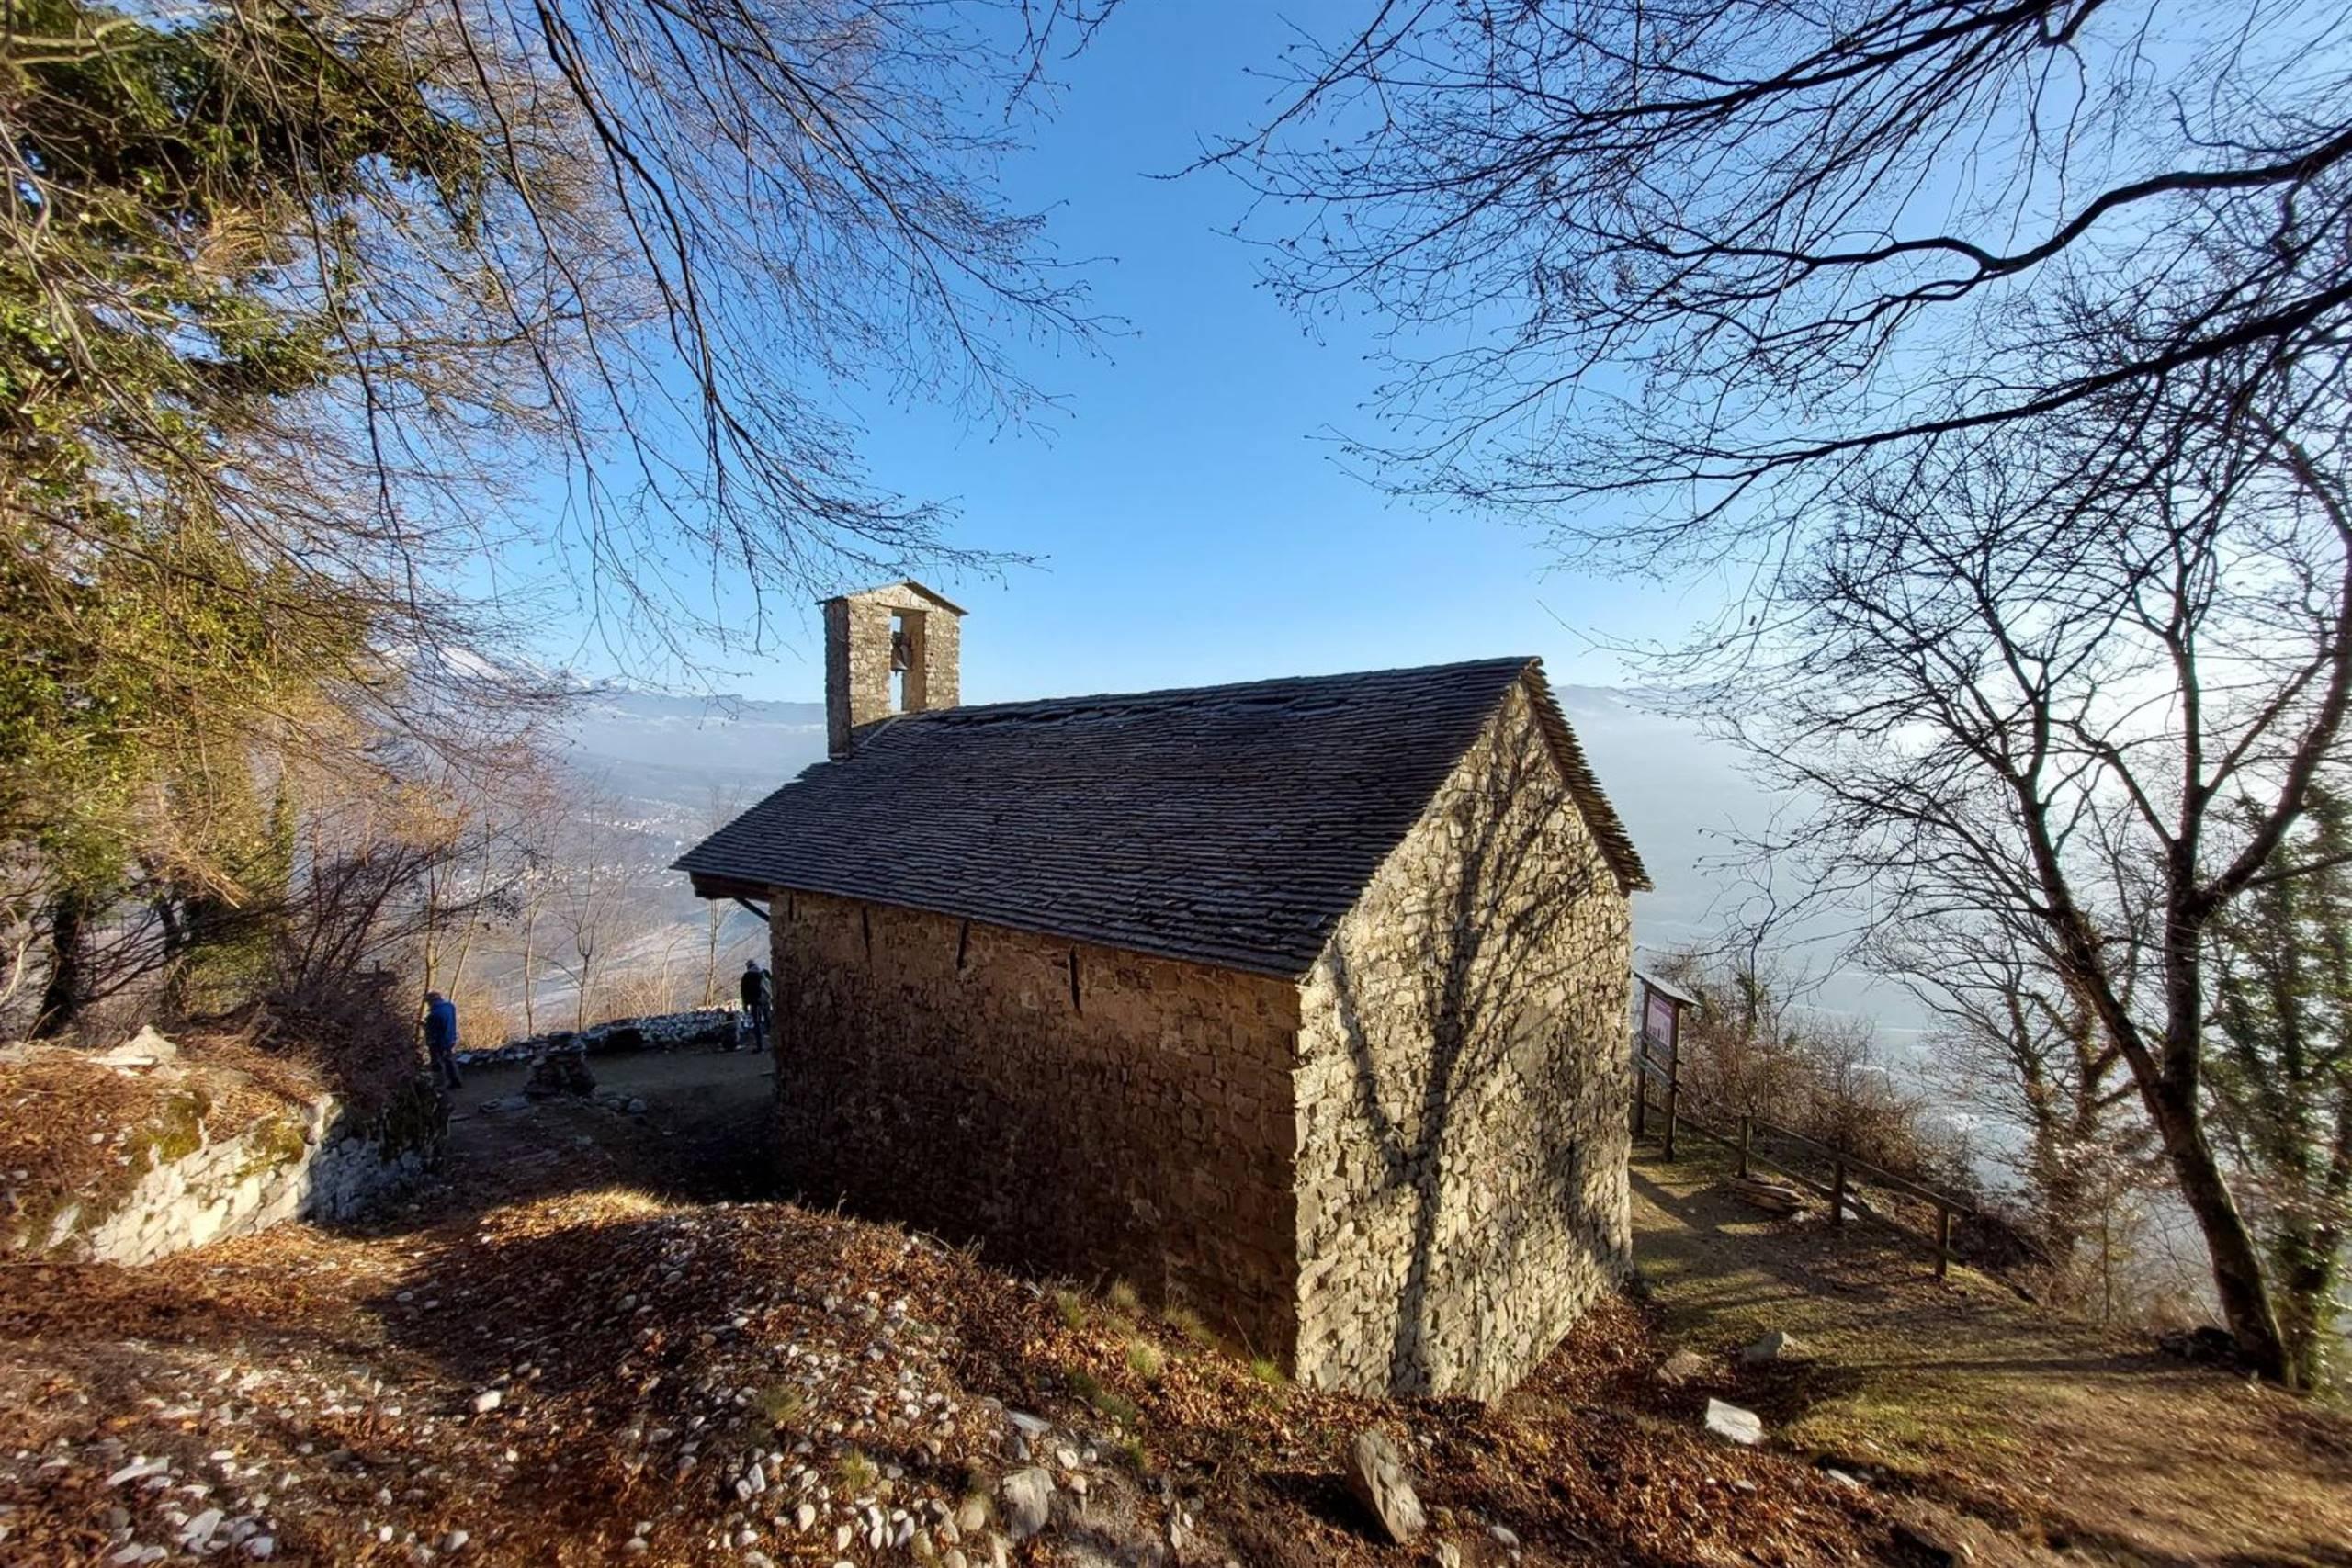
(702, 1137)
(2094, 1448)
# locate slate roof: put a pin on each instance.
(1227, 825)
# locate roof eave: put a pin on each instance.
(1600, 818)
(707, 884)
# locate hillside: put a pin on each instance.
(588, 1345)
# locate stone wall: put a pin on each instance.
(1461, 1092)
(857, 659)
(655, 1032)
(1080, 1110)
(305, 1166)
(195, 1180)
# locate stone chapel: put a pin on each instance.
(1301, 1002)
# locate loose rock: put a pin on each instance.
(1028, 1501)
(1742, 1427)
(1376, 1476)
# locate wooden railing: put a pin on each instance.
(1838, 1192)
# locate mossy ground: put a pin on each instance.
(78, 1137)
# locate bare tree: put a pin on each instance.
(726, 804)
(1684, 250)
(630, 246)
(497, 810)
(2081, 674)
(591, 901)
(530, 907)
(2018, 1044)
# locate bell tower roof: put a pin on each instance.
(905, 585)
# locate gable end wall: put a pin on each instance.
(1462, 1089)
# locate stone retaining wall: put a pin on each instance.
(660, 1032)
(191, 1180)
(310, 1165)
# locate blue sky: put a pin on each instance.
(1193, 521)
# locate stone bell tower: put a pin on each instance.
(887, 651)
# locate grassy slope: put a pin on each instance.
(1961, 1393)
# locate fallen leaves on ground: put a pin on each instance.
(599, 1375)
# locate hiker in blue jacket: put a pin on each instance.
(441, 1037)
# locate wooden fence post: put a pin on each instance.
(1838, 1193)
(1943, 1240)
(1673, 1099)
(1746, 1132)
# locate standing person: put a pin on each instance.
(754, 988)
(441, 1037)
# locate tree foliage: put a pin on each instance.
(2282, 1075)
(342, 341)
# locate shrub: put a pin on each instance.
(1750, 1049)
(1188, 1325)
(1104, 1402)
(782, 1404)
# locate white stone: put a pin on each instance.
(1742, 1427)
(1028, 1501)
(1376, 1476)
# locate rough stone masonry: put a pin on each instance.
(1301, 1002)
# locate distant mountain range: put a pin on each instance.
(678, 750)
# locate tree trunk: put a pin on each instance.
(2237, 1263)
(2306, 1263)
(530, 981)
(61, 997)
